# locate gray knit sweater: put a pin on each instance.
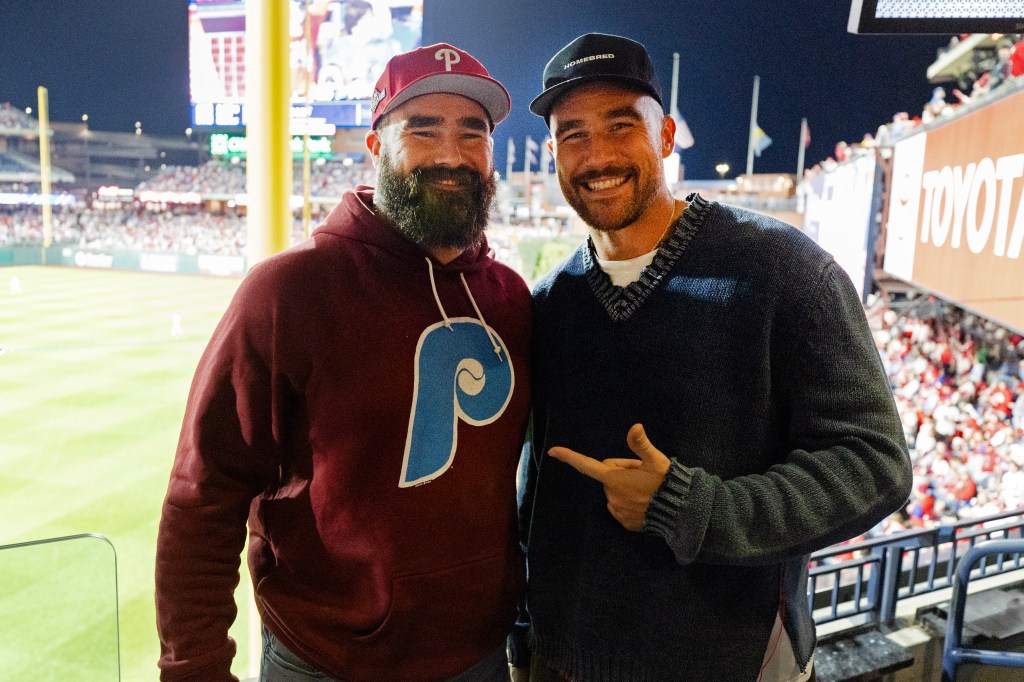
(744, 351)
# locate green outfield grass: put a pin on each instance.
(93, 381)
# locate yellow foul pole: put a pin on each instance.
(307, 34)
(44, 167)
(268, 94)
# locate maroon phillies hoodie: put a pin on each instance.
(362, 407)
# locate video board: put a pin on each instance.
(349, 43)
(839, 213)
(956, 211)
(936, 16)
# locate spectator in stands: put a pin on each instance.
(1002, 72)
(901, 124)
(1017, 58)
(842, 151)
(936, 107)
(742, 349)
(978, 89)
(355, 405)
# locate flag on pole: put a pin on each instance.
(531, 151)
(805, 141)
(510, 157)
(683, 138)
(761, 141)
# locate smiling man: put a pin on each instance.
(709, 409)
(361, 407)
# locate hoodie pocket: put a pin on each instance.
(463, 608)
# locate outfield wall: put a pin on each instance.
(70, 256)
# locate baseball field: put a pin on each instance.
(95, 368)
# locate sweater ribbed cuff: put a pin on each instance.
(661, 517)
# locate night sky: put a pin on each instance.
(121, 61)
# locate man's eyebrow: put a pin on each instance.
(568, 126)
(621, 112)
(475, 123)
(470, 122)
(627, 112)
(424, 121)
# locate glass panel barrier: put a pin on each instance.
(58, 610)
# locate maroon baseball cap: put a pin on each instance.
(438, 68)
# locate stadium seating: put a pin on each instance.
(14, 119)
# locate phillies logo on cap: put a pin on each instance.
(450, 57)
(378, 95)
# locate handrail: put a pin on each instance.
(953, 653)
(886, 569)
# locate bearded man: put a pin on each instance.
(361, 406)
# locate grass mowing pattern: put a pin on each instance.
(92, 390)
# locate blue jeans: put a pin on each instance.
(281, 665)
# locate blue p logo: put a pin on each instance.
(458, 376)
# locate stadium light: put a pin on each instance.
(722, 169)
(85, 118)
(28, 110)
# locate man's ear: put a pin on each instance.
(668, 136)
(373, 142)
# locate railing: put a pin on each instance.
(876, 574)
(954, 653)
(58, 600)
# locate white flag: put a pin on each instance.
(531, 151)
(683, 138)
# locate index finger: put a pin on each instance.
(588, 466)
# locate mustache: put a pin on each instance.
(598, 173)
(461, 174)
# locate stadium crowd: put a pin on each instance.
(185, 230)
(172, 228)
(219, 177)
(958, 381)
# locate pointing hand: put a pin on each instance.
(629, 484)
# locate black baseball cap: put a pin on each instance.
(596, 57)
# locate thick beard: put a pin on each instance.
(598, 220)
(431, 217)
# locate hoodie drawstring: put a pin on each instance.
(437, 299)
(479, 315)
